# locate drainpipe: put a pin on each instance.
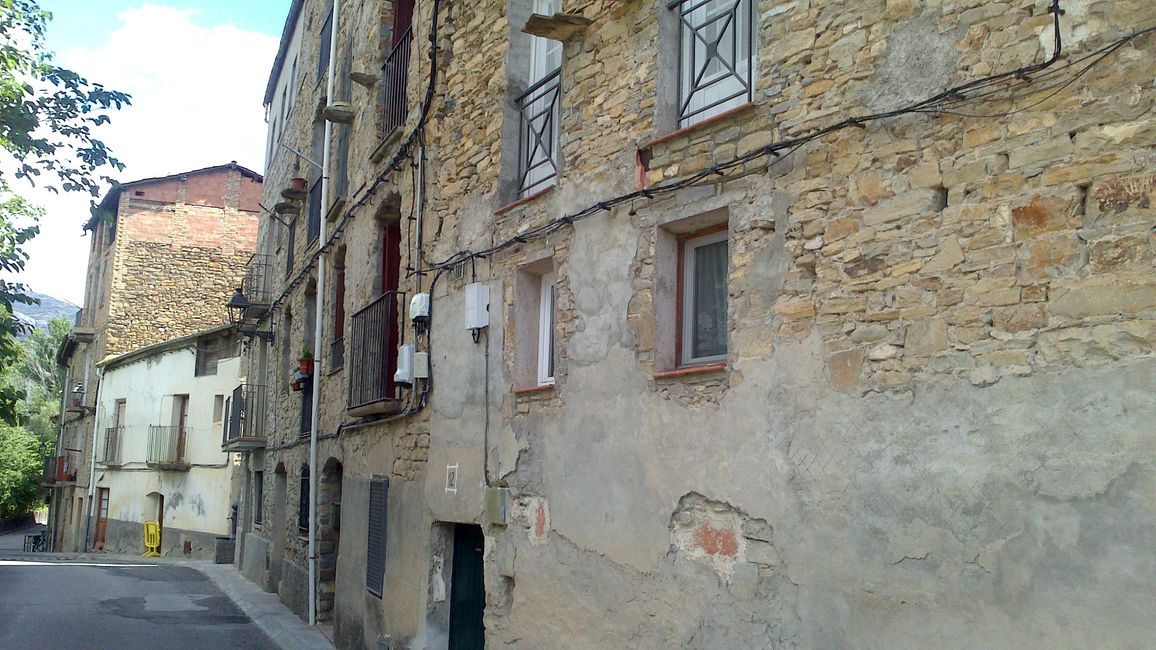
(317, 326)
(92, 462)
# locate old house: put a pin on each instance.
(706, 324)
(164, 258)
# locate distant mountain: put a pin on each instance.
(49, 308)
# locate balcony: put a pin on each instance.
(110, 452)
(76, 401)
(538, 135)
(245, 427)
(166, 448)
(58, 469)
(374, 337)
(394, 78)
(84, 329)
(257, 285)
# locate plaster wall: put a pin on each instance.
(197, 499)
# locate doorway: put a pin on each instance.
(280, 490)
(329, 535)
(467, 589)
(101, 518)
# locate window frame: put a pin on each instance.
(259, 497)
(547, 319)
(684, 309)
(303, 502)
(699, 101)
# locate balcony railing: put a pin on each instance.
(374, 337)
(245, 426)
(538, 134)
(166, 448)
(83, 328)
(394, 78)
(257, 285)
(58, 469)
(110, 454)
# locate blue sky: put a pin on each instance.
(84, 23)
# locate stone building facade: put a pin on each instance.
(744, 380)
(165, 257)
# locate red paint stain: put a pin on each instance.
(716, 541)
(540, 521)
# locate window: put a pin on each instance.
(218, 408)
(717, 62)
(258, 497)
(287, 358)
(534, 321)
(314, 211)
(303, 503)
(292, 241)
(703, 299)
(539, 110)
(375, 546)
(546, 330)
(323, 52)
(337, 346)
(208, 354)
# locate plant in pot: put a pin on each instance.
(306, 361)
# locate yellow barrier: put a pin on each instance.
(152, 539)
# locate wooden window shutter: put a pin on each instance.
(375, 552)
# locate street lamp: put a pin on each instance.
(236, 307)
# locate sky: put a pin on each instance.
(196, 70)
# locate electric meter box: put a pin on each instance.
(404, 373)
(421, 365)
(419, 307)
(477, 305)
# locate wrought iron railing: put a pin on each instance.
(111, 452)
(257, 284)
(59, 469)
(374, 336)
(716, 56)
(538, 134)
(394, 78)
(337, 353)
(245, 425)
(50, 469)
(167, 445)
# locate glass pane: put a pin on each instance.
(709, 333)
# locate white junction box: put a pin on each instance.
(421, 365)
(419, 308)
(477, 305)
(404, 372)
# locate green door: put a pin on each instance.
(467, 590)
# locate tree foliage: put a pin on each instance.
(20, 469)
(47, 113)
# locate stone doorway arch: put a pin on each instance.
(328, 535)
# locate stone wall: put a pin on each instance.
(932, 423)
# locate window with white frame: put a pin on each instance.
(534, 321)
(703, 299)
(546, 330)
(717, 56)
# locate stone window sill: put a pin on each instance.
(692, 371)
(533, 390)
(714, 119)
(524, 200)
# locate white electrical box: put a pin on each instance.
(477, 305)
(404, 372)
(419, 308)
(421, 365)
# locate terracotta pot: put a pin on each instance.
(299, 184)
(295, 386)
(306, 366)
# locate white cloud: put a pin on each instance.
(196, 102)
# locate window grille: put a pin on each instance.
(716, 56)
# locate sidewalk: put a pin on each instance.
(265, 609)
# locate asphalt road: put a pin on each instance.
(90, 605)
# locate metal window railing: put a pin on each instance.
(538, 109)
(112, 440)
(394, 78)
(716, 56)
(257, 285)
(166, 445)
(246, 417)
(337, 353)
(375, 333)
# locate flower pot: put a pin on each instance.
(306, 366)
(295, 386)
(297, 183)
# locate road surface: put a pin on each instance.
(55, 604)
